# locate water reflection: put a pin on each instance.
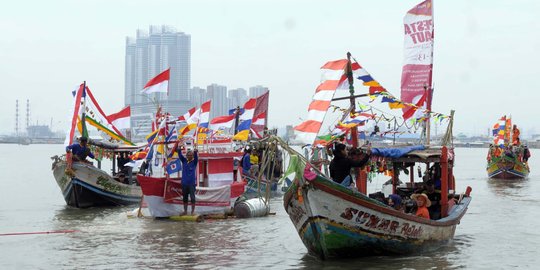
(189, 244)
(508, 187)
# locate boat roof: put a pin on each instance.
(116, 147)
(428, 154)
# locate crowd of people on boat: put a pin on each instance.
(250, 162)
(423, 201)
(515, 149)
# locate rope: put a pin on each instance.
(45, 232)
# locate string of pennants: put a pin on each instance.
(369, 113)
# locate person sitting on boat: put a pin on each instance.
(422, 204)
(122, 160)
(254, 160)
(122, 178)
(340, 166)
(189, 177)
(394, 201)
(80, 150)
(434, 196)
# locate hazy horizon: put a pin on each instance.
(484, 59)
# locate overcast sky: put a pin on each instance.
(485, 62)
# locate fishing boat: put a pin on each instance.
(219, 183)
(336, 221)
(84, 184)
(507, 156)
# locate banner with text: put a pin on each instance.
(417, 70)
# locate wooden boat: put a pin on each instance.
(83, 184)
(335, 221)
(218, 187)
(507, 157)
(507, 166)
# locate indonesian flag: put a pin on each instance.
(256, 133)
(121, 119)
(187, 115)
(420, 106)
(204, 118)
(222, 122)
(259, 119)
(159, 84)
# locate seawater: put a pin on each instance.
(499, 231)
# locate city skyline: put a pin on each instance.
(48, 54)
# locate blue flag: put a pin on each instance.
(174, 166)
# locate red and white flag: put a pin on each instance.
(121, 119)
(418, 110)
(159, 84)
(204, 118)
(187, 115)
(222, 122)
(259, 119)
(333, 78)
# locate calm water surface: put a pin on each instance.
(500, 230)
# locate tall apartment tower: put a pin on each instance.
(198, 96)
(237, 97)
(257, 90)
(220, 104)
(148, 54)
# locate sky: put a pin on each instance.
(485, 58)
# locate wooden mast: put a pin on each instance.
(348, 70)
(361, 175)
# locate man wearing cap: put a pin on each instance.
(80, 150)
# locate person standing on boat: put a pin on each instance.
(341, 165)
(515, 135)
(246, 163)
(526, 153)
(189, 177)
(80, 150)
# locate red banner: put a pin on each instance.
(417, 70)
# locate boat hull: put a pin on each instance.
(91, 187)
(507, 168)
(334, 222)
(163, 197)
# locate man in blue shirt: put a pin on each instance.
(80, 150)
(189, 177)
(246, 163)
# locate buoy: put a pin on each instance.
(251, 208)
(195, 218)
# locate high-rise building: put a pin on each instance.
(198, 96)
(147, 55)
(237, 97)
(257, 90)
(220, 103)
